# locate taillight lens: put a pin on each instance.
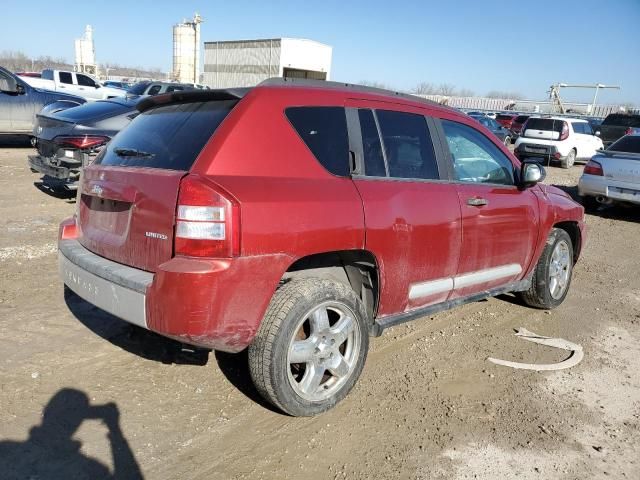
(593, 168)
(565, 131)
(207, 220)
(82, 141)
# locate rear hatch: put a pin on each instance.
(127, 199)
(543, 128)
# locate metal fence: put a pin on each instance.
(502, 104)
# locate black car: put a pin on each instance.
(20, 102)
(68, 140)
(498, 130)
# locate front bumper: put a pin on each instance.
(599, 186)
(209, 303)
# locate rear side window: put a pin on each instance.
(628, 143)
(371, 146)
(578, 127)
(476, 158)
(407, 145)
(154, 90)
(324, 130)
(169, 136)
(65, 77)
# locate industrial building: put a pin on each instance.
(85, 58)
(186, 51)
(244, 63)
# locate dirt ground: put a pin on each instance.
(84, 395)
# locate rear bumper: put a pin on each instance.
(44, 166)
(215, 304)
(546, 152)
(598, 186)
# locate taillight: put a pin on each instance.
(593, 168)
(82, 141)
(565, 131)
(68, 229)
(207, 220)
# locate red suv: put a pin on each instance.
(505, 119)
(298, 219)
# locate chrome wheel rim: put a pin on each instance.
(507, 141)
(559, 269)
(323, 351)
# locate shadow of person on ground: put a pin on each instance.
(50, 452)
(133, 339)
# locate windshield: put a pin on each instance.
(628, 143)
(138, 88)
(169, 136)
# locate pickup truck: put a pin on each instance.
(74, 83)
(20, 102)
(617, 125)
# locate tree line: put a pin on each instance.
(447, 90)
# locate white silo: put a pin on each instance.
(85, 53)
(186, 50)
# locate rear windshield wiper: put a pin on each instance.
(131, 152)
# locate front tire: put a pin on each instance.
(552, 276)
(311, 346)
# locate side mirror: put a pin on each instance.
(597, 134)
(531, 173)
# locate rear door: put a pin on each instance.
(66, 82)
(412, 217)
(499, 221)
(128, 196)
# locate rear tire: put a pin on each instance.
(311, 346)
(570, 160)
(552, 276)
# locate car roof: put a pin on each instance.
(363, 92)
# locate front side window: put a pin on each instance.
(154, 90)
(85, 81)
(475, 158)
(65, 77)
(324, 131)
(407, 145)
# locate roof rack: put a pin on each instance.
(304, 82)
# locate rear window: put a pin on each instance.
(628, 143)
(521, 118)
(169, 136)
(504, 117)
(545, 124)
(324, 130)
(623, 120)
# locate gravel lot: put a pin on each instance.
(84, 395)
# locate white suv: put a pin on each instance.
(556, 138)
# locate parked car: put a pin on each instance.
(613, 175)
(114, 84)
(297, 218)
(557, 139)
(505, 119)
(158, 88)
(516, 126)
(615, 125)
(68, 140)
(19, 103)
(74, 83)
(498, 130)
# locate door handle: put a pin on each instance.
(476, 201)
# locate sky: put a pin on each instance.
(481, 45)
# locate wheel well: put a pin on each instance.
(355, 268)
(573, 231)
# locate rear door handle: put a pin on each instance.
(476, 201)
